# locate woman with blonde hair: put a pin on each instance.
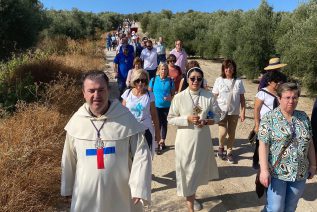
(137, 64)
(163, 88)
(141, 104)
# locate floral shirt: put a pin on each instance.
(276, 131)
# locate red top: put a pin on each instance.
(175, 74)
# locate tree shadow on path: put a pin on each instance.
(168, 180)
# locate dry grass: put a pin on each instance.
(31, 146)
(31, 140)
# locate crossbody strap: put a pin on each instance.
(285, 146)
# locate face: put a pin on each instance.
(274, 85)
(137, 66)
(163, 72)
(149, 45)
(140, 82)
(229, 72)
(178, 45)
(172, 62)
(288, 101)
(96, 94)
(194, 81)
(160, 39)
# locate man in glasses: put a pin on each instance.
(181, 55)
(149, 58)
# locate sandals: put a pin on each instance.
(161, 147)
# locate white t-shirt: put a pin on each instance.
(149, 58)
(140, 106)
(268, 101)
(222, 87)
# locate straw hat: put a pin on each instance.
(274, 63)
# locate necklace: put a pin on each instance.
(196, 108)
(99, 146)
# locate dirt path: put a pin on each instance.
(234, 191)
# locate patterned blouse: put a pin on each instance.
(276, 131)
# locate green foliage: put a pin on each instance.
(250, 38)
(20, 23)
(298, 45)
(15, 86)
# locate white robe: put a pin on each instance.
(195, 161)
(127, 171)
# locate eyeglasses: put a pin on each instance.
(199, 79)
(140, 80)
(288, 98)
(172, 61)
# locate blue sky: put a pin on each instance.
(138, 6)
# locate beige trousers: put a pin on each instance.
(228, 126)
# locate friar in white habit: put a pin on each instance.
(106, 162)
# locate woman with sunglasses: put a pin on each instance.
(137, 64)
(174, 71)
(192, 111)
(183, 83)
(141, 103)
(265, 101)
(230, 96)
(163, 88)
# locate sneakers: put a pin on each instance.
(221, 153)
(230, 158)
(197, 205)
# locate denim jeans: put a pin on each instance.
(283, 196)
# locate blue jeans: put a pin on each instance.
(283, 196)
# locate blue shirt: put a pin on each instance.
(125, 63)
(161, 88)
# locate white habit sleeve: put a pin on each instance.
(69, 161)
(141, 170)
(174, 117)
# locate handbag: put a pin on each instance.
(252, 136)
(259, 188)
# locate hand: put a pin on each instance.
(193, 119)
(168, 98)
(136, 200)
(312, 172)
(116, 74)
(265, 178)
(256, 128)
(242, 117)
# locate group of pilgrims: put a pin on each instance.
(110, 144)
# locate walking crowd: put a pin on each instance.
(110, 144)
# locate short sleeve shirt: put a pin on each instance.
(161, 88)
(222, 87)
(268, 101)
(276, 131)
(150, 58)
(140, 106)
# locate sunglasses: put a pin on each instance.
(140, 80)
(199, 79)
